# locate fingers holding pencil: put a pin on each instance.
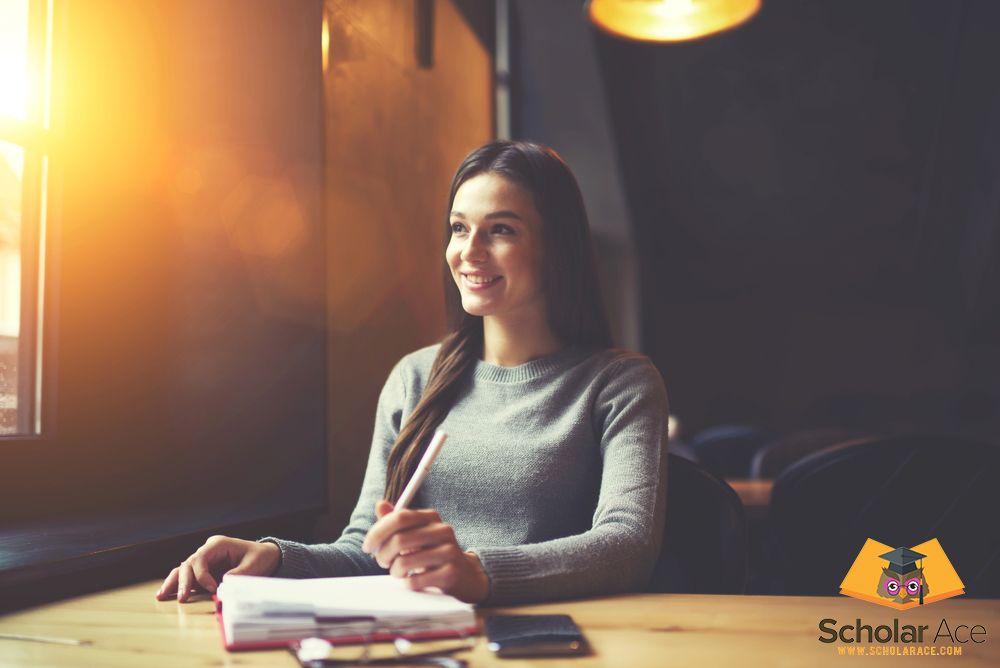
(417, 546)
(385, 526)
(402, 531)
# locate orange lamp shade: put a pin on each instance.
(669, 20)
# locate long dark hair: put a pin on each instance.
(576, 312)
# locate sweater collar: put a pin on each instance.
(554, 363)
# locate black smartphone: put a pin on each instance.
(534, 635)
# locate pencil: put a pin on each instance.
(421, 472)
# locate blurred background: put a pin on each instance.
(220, 228)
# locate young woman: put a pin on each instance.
(552, 481)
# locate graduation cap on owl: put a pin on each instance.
(903, 561)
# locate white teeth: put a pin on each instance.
(479, 279)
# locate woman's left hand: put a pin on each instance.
(418, 546)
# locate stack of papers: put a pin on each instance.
(258, 612)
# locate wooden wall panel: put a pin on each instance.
(394, 135)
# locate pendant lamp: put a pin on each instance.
(668, 20)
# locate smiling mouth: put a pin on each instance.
(480, 280)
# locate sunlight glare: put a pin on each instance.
(13, 72)
(325, 39)
(13, 57)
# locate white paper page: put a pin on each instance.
(380, 596)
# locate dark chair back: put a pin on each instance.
(772, 459)
(727, 450)
(704, 537)
(900, 491)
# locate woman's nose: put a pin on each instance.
(475, 249)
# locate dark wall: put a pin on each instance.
(816, 199)
(247, 343)
(188, 272)
(394, 133)
(558, 100)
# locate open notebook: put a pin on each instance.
(257, 612)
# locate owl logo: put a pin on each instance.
(903, 581)
(906, 581)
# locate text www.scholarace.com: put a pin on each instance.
(882, 650)
(901, 640)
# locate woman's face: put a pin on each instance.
(495, 252)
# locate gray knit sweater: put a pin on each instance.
(554, 474)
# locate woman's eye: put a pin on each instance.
(457, 228)
(503, 229)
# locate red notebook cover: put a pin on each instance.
(281, 644)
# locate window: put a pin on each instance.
(26, 28)
(191, 375)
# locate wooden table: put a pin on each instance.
(755, 494)
(127, 627)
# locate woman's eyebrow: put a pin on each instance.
(490, 216)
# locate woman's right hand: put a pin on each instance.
(218, 556)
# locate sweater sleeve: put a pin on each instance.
(345, 557)
(620, 550)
